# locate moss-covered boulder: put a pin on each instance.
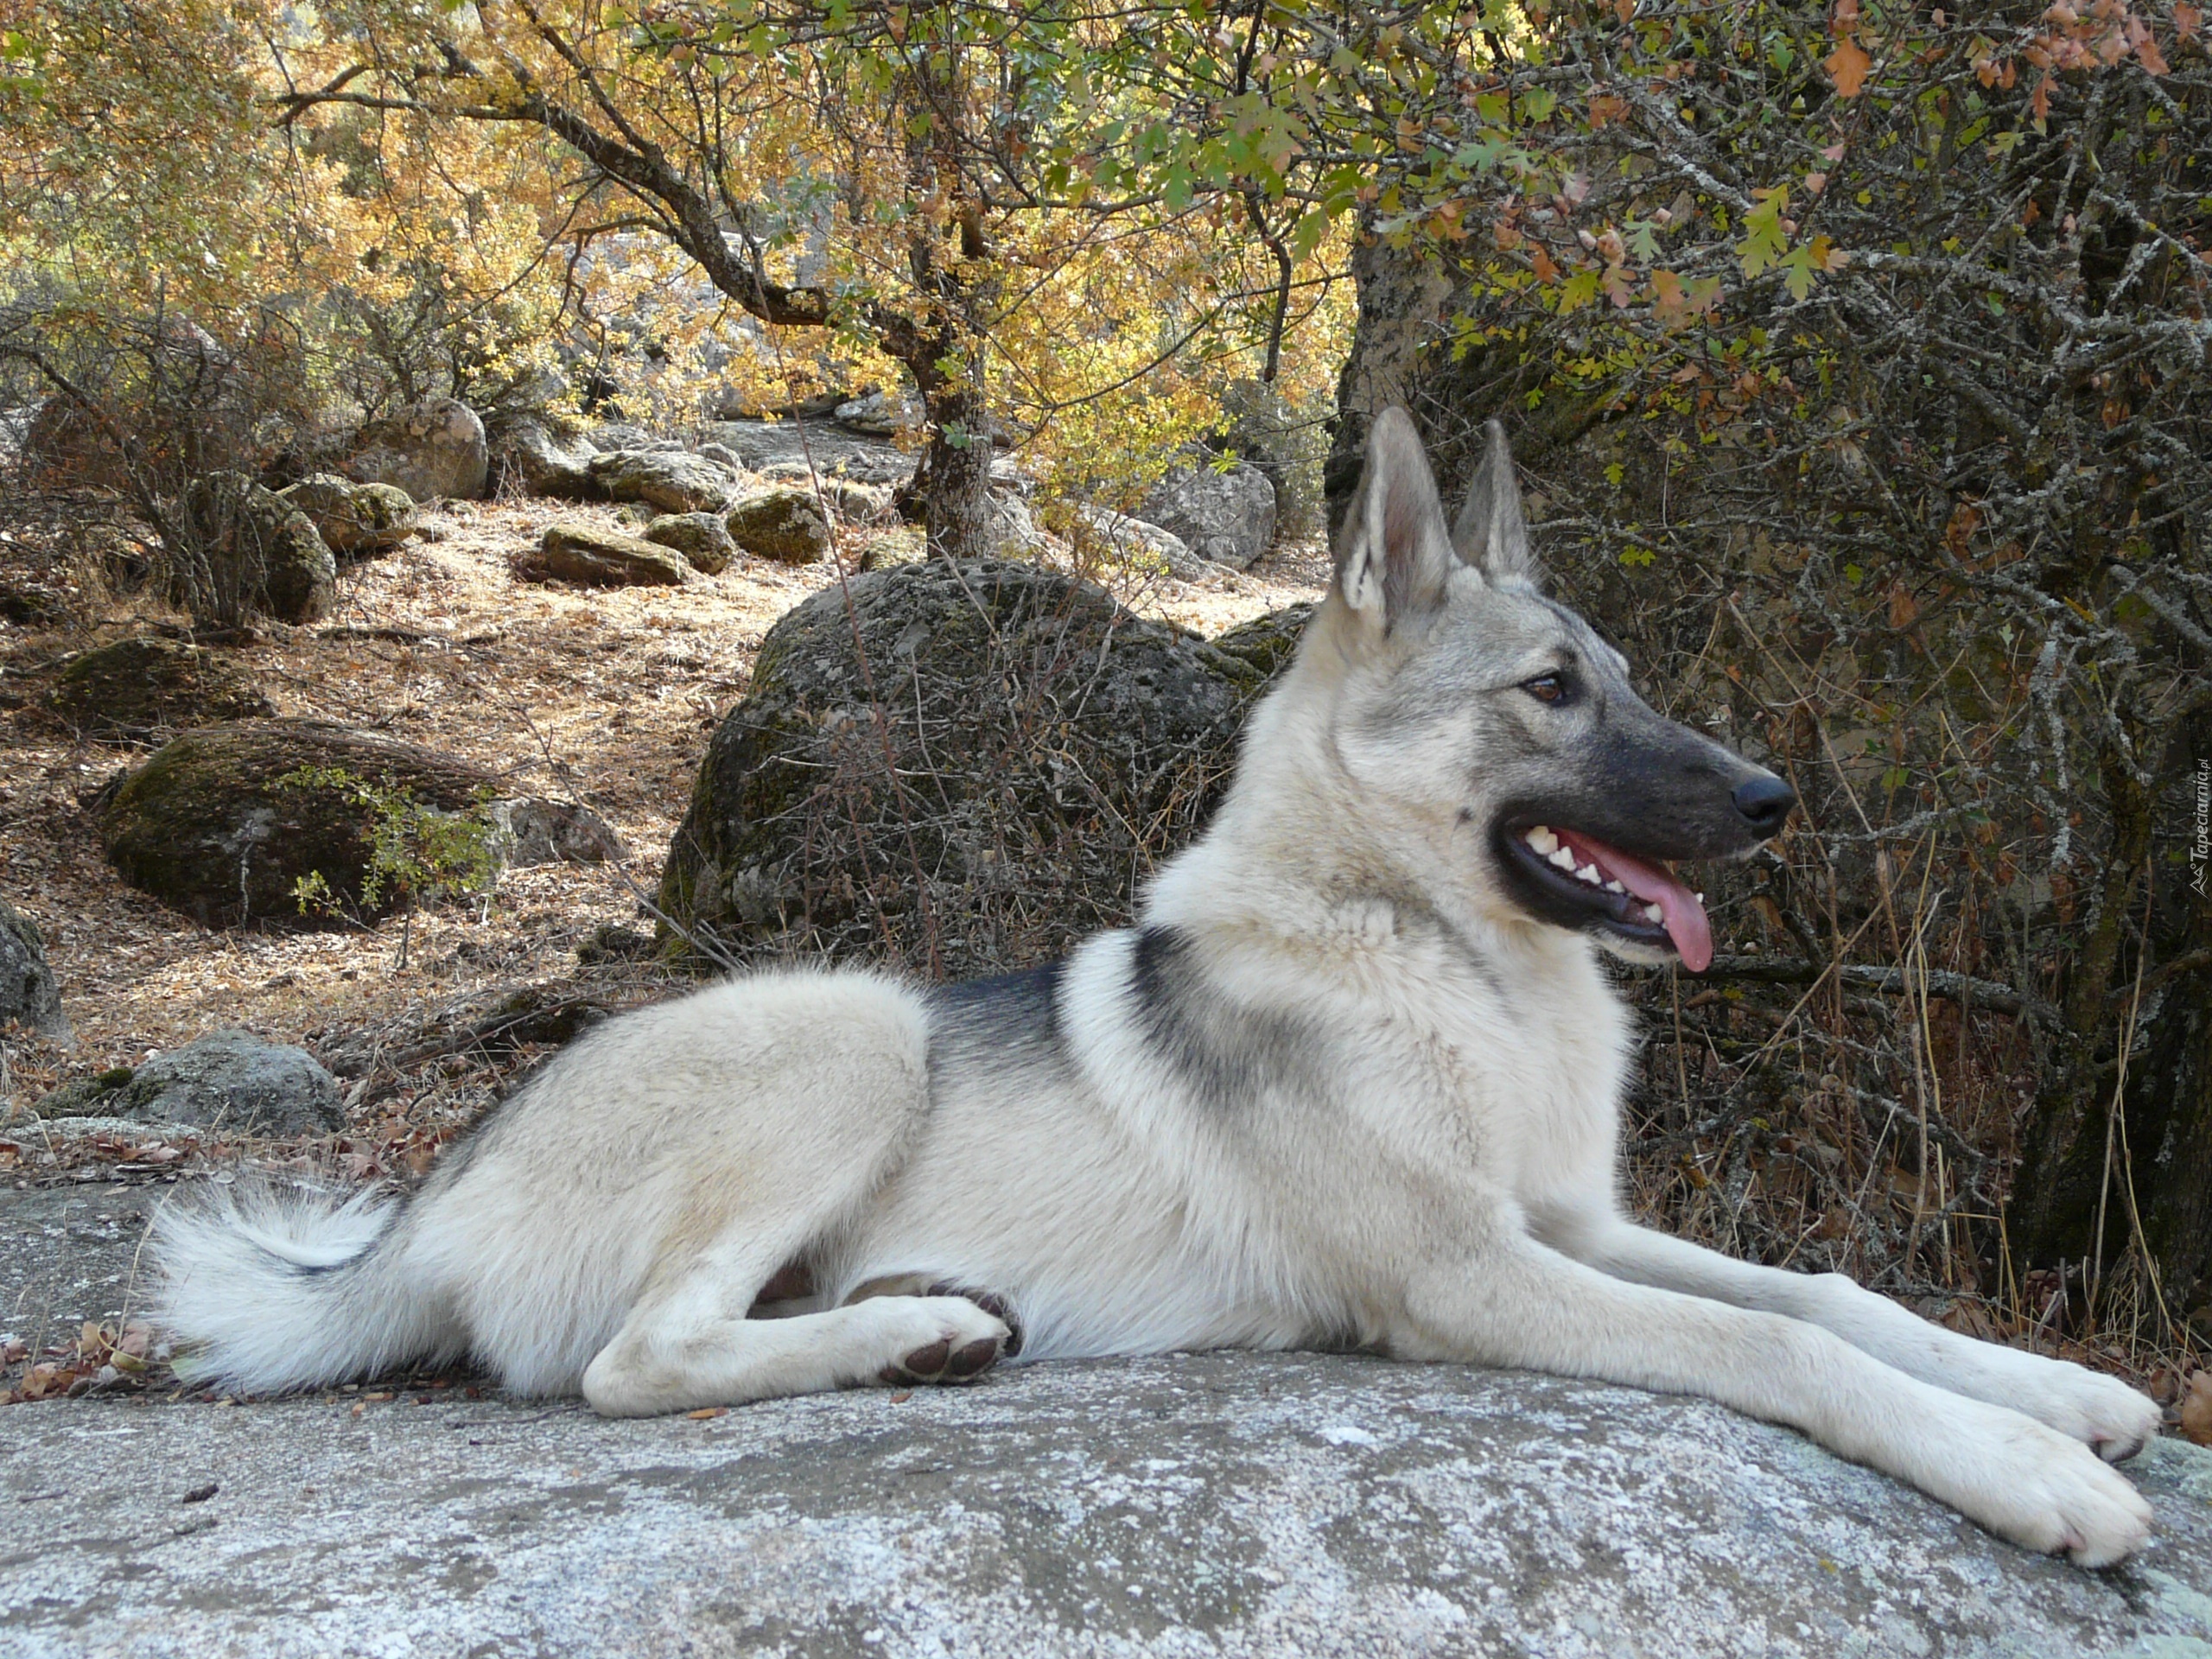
(224, 824)
(135, 688)
(230, 1082)
(592, 558)
(700, 537)
(1028, 752)
(356, 521)
(781, 523)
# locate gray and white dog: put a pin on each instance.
(1354, 1077)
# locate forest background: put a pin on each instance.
(1855, 354)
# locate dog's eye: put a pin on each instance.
(1546, 688)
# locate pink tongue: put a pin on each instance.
(1685, 920)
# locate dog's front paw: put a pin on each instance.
(2111, 1419)
(947, 1339)
(2064, 1501)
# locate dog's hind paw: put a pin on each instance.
(976, 1336)
(993, 1304)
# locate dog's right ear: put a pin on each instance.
(1492, 533)
(1395, 554)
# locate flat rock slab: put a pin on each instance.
(68, 1254)
(1218, 1504)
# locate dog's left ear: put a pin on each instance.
(1492, 534)
(1395, 554)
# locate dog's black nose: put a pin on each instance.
(1766, 801)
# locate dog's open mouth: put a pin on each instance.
(1630, 896)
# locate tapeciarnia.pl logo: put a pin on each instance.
(2199, 854)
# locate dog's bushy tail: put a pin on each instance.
(267, 1290)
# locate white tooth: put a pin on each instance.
(1543, 841)
(1653, 913)
(1615, 886)
(1564, 859)
(1700, 897)
(1587, 872)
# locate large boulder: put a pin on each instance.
(356, 521)
(224, 824)
(592, 558)
(247, 550)
(1196, 1506)
(1225, 517)
(435, 451)
(543, 458)
(232, 1082)
(781, 523)
(28, 995)
(135, 688)
(701, 538)
(1045, 748)
(675, 480)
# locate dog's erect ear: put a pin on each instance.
(1491, 534)
(1395, 554)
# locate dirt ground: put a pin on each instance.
(602, 697)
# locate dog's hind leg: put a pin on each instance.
(803, 1097)
(689, 1350)
(687, 1342)
(2102, 1412)
(1512, 1301)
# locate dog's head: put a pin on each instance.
(1499, 718)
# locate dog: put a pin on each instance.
(1353, 1080)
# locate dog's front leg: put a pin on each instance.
(1517, 1302)
(2107, 1416)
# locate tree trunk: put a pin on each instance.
(2170, 1087)
(950, 495)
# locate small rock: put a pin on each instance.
(435, 451)
(781, 523)
(255, 551)
(542, 458)
(879, 415)
(722, 455)
(1268, 642)
(625, 435)
(860, 503)
(612, 942)
(1225, 518)
(533, 830)
(674, 480)
(137, 687)
(1135, 542)
(232, 1081)
(28, 994)
(356, 520)
(700, 537)
(600, 558)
